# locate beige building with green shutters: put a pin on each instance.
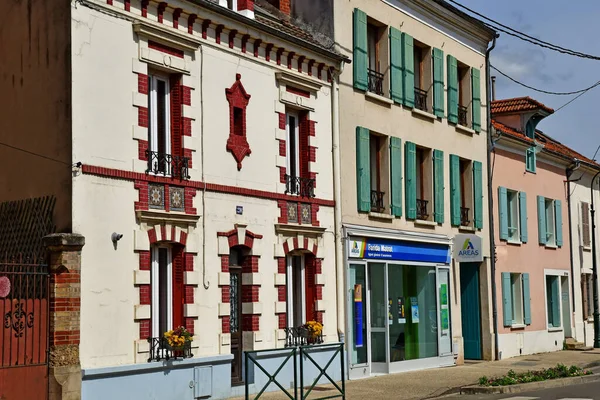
(414, 193)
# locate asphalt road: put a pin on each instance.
(586, 391)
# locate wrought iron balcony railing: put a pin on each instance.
(167, 165)
(300, 336)
(375, 82)
(377, 201)
(421, 99)
(462, 115)
(464, 216)
(161, 350)
(422, 209)
(304, 187)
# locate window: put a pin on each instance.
(296, 289)
(424, 172)
(159, 124)
(377, 153)
(530, 154)
(464, 94)
(517, 298)
(162, 292)
(585, 224)
(466, 191)
(238, 121)
(423, 75)
(377, 56)
(587, 294)
(232, 4)
(297, 177)
(553, 301)
(513, 215)
(550, 223)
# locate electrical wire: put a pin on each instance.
(572, 100)
(525, 37)
(37, 154)
(545, 91)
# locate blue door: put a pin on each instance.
(470, 315)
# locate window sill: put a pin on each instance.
(379, 98)
(558, 329)
(424, 114)
(586, 248)
(423, 222)
(529, 172)
(376, 215)
(517, 326)
(514, 242)
(551, 246)
(466, 228)
(464, 129)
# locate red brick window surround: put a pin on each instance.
(238, 100)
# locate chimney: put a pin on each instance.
(246, 8)
(493, 88)
(282, 5)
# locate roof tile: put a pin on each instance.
(518, 104)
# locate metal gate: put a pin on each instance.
(24, 312)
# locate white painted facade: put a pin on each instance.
(110, 48)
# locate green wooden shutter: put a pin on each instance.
(438, 186)
(523, 216)
(507, 311)
(410, 159)
(478, 193)
(530, 159)
(476, 89)
(363, 169)
(526, 300)
(555, 302)
(408, 62)
(396, 66)
(438, 83)
(503, 211)
(541, 209)
(454, 190)
(452, 89)
(559, 225)
(361, 58)
(396, 175)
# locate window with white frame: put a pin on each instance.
(512, 212)
(296, 291)
(159, 130)
(553, 297)
(293, 142)
(516, 280)
(550, 223)
(162, 290)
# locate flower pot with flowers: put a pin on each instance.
(314, 332)
(178, 339)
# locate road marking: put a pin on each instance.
(521, 398)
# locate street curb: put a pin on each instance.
(523, 387)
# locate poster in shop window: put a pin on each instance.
(390, 315)
(414, 310)
(401, 315)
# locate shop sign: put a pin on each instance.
(382, 249)
(467, 248)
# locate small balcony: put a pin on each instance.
(464, 216)
(161, 350)
(377, 201)
(422, 213)
(421, 99)
(303, 187)
(462, 116)
(300, 336)
(167, 165)
(375, 82)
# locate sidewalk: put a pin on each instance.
(436, 382)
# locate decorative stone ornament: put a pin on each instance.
(238, 101)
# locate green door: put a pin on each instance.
(470, 316)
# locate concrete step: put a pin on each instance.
(572, 344)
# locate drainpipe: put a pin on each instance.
(337, 187)
(490, 146)
(569, 172)
(595, 270)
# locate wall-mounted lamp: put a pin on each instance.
(115, 237)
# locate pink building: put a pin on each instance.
(533, 271)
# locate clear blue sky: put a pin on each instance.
(572, 24)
